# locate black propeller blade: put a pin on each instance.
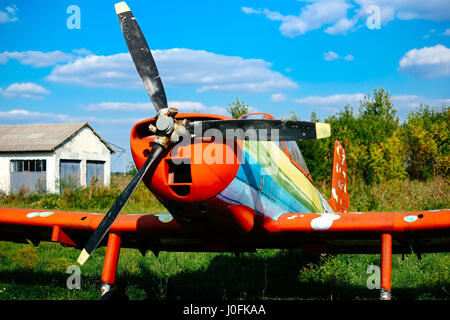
(141, 55)
(112, 214)
(262, 130)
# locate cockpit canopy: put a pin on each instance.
(290, 148)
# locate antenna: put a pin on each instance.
(121, 151)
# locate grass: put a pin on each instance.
(28, 272)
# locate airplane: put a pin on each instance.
(230, 186)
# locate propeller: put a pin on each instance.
(118, 205)
(168, 131)
(263, 130)
(141, 55)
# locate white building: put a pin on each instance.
(45, 157)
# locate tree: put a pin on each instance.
(427, 136)
(238, 108)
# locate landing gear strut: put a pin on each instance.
(386, 266)
(110, 269)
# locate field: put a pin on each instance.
(28, 272)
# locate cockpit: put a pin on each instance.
(290, 148)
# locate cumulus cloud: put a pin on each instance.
(178, 67)
(402, 102)
(278, 97)
(343, 16)
(9, 15)
(21, 116)
(331, 55)
(40, 59)
(336, 99)
(312, 16)
(182, 106)
(28, 90)
(427, 62)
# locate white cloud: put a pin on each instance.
(446, 32)
(427, 62)
(42, 59)
(335, 103)
(337, 99)
(9, 15)
(278, 97)
(20, 114)
(349, 57)
(28, 90)
(343, 16)
(342, 26)
(248, 10)
(410, 102)
(182, 106)
(331, 55)
(312, 16)
(178, 67)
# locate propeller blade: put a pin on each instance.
(263, 130)
(142, 56)
(112, 214)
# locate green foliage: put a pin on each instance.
(378, 147)
(427, 135)
(238, 108)
(131, 169)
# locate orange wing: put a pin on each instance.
(360, 232)
(74, 228)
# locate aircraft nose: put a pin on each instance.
(195, 171)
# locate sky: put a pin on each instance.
(67, 61)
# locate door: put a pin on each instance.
(95, 171)
(69, 173)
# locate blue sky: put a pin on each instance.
(278, 57)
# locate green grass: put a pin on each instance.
(28, 272)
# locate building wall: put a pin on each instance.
(5, 160)
(85, 145)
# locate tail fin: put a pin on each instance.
(339, 201)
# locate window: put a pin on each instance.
(296, 155)
(256, 116)
(28, 165)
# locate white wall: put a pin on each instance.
(85, 146)
(5, 160)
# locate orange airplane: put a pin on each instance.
(230, 186)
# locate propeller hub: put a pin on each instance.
(164, 124)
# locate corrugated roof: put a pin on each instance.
(39, 137)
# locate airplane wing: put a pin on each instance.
(360, 232)
(74, 228)
(356, 232)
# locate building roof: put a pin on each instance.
(40, 137)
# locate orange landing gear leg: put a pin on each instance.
(386, 266)
(110, 265)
